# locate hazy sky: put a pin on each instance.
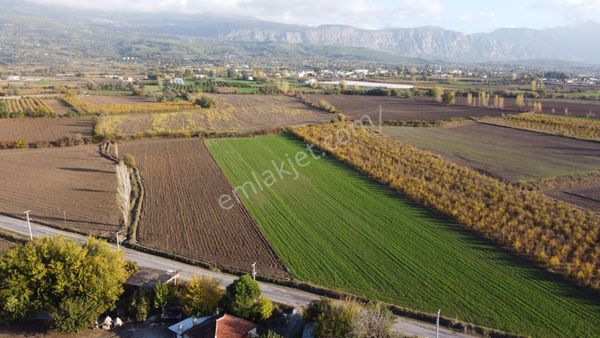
(462, 15)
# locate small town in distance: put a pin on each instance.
(373, 169)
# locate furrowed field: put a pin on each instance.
(334, 227)
(504, 152)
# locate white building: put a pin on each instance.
(177, 80)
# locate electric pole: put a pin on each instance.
(254, 270)
(380, 120)
(29, 224)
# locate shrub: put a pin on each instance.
(21, 144)
(164, 295)
(262, 309)
(205, 102)
(72, 313)
(325, 105)
(201, 296)
(140, 306)
(129, 161)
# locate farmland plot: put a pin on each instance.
(232, 114)
(506, 153)
(403, 109)
(334, 227)
(181, 212)
(72, 185)
(59, 106)
(44, 129)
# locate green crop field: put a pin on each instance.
(334, 227)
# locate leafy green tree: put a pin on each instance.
(240, 296)
(164, 295)
(201, 296)
(74, 283)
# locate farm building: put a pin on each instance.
(218, 326)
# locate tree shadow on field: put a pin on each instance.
(86, 170)
(90, 190)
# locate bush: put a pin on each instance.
(129, 161)
(74, 283)
(201, 296)
(262, 309)
(74, 314)
(205, 102)
(164, 295)
(325, 105)
(140, 306)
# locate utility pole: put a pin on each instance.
(29, 224)
(254, 270)
(65, 217)
(437, 324)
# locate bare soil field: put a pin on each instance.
(59, 106)
(181, 213)
(232, 114)
(73, 183)
(44, 129)
(581, 190)
(506, 153)
(106, 99)
(573, 107)
(403, 109)
(5, 244)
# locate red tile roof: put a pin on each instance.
(222, 326)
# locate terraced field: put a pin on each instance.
(334, 227)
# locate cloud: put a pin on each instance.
(482, 16)
(311, 12)
(571, 11)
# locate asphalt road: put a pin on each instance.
(284, 295)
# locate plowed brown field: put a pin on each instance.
(75, 182)
(59, 106)
(181, 212)
(403, 109)
(44, 129)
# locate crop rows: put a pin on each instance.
(583, 128)
(27, 106)
(334, 227)
(181, 213)
(159, 107)
(557, 235)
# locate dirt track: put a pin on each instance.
(181, 212)
(75, 182)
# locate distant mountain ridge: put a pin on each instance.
(572, 44)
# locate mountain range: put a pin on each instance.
(210, 35)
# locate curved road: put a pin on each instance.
(280, 294)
